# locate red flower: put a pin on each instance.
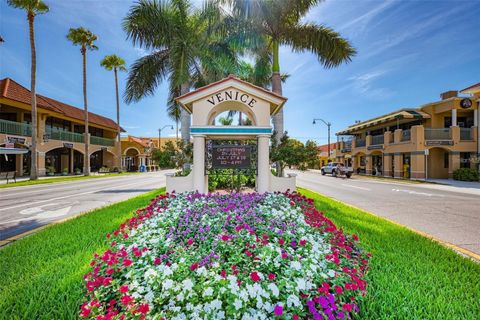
(127, 262)
(303, 242)
(347, 307)
(107, 281)
(190, 241)
(85, 312)
(284, 255)
(126, 300)
(295, 317)
(271, 276)
(281, 242)
(137, 253)
(248, 253)
(255, 277)
(157, 261)
(123, 289)
(225, 237)
(292, 203)
(194, 266)
(355, 237)
(143, 308)
(223, 274)
(338, 290)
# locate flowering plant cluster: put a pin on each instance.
(237, 256)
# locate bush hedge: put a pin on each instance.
(465, 174)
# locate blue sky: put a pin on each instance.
(408, 53)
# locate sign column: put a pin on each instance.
(263, 165)
(199, 163)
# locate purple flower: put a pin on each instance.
(278, 311)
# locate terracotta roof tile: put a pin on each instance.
(475, 86)
(12, 90)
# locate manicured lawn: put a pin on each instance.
(41, 275)
(410, 277)
(63, 179)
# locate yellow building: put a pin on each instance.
(137, 152)
(60, 134)
(430, 141)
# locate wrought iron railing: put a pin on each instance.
(438, 134)
(65, 135)
(102, 141)
(17, 128)
(359, 143)
(466, 134)
(406, 135)
(378, 139)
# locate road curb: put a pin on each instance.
(462, 251)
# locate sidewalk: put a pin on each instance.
(456, 183)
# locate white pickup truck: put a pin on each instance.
(332, 168)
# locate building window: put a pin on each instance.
(464, 159)
(445, 160)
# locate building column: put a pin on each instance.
(453, 163)
(454, 117)
(368, 164)
(387, 165)
(398, 163)
(477, 124)
(417, 165)
(263, 165)
(41, 164)
(199, 163)
(71, 169)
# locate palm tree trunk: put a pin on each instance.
(277, 88)
(33, 74)
(119, 148)
(185, 116)
(85, 111)
(176, 128)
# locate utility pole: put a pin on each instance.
(328, 124)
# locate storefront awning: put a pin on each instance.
(13, 150)
(397, 115)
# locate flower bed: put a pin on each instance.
(238, 256)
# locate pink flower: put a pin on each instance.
(271, 276)
(278, 311)
(123, 289)
(127, 262)
(143, 308)
(157, 261)
(225, 237)
(281, 242)
(303, 242)
(295, 317)
(190, 241)
(126, 300)
(347, 307)
(255, 277)
(194, 266)
(223, 274)
(85, 312)
(284, 255)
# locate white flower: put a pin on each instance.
(208, 292)
(274, 289)
(295, 265)
(293, 300)
(187, 285)
(167, 284)
(301, 284)
(238, 304)
(216, 304)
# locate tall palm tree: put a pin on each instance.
(115, 63)
(86, 40)
(33, 8)
(178, 37)
(279, 23)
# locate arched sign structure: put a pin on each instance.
(208, 102)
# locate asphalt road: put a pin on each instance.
(448, 213)
(29, 207)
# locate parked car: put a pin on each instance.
(337, 169)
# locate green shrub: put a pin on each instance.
(225, 179)
(465, 174)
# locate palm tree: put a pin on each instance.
(85, 39)
(115, 63)
(179, 38)
(225, 121)
(280, 23)
(32, 7)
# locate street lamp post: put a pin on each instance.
(160, 135)
(328, 124)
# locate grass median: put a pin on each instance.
(62, 179)
(410, 276)
(41, 275)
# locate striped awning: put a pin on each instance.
(13, 150)
(412, 114)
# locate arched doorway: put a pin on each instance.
(96, 160)
(438, 163)
(131, 159)
(58, 160)
(377, 163)
(360, 163)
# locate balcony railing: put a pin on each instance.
(17, 128)
(359, 143)
(65, 136)
(466, 134)
(406, 135)
(438, 134)
(102, 141)
(378, 139)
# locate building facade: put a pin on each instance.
(323, 155)
(430, 141)
(60, 138)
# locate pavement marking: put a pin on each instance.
(418, 193)
(68, 196)
(356, 187)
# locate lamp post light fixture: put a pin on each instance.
(160, 135)
(328, 124)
